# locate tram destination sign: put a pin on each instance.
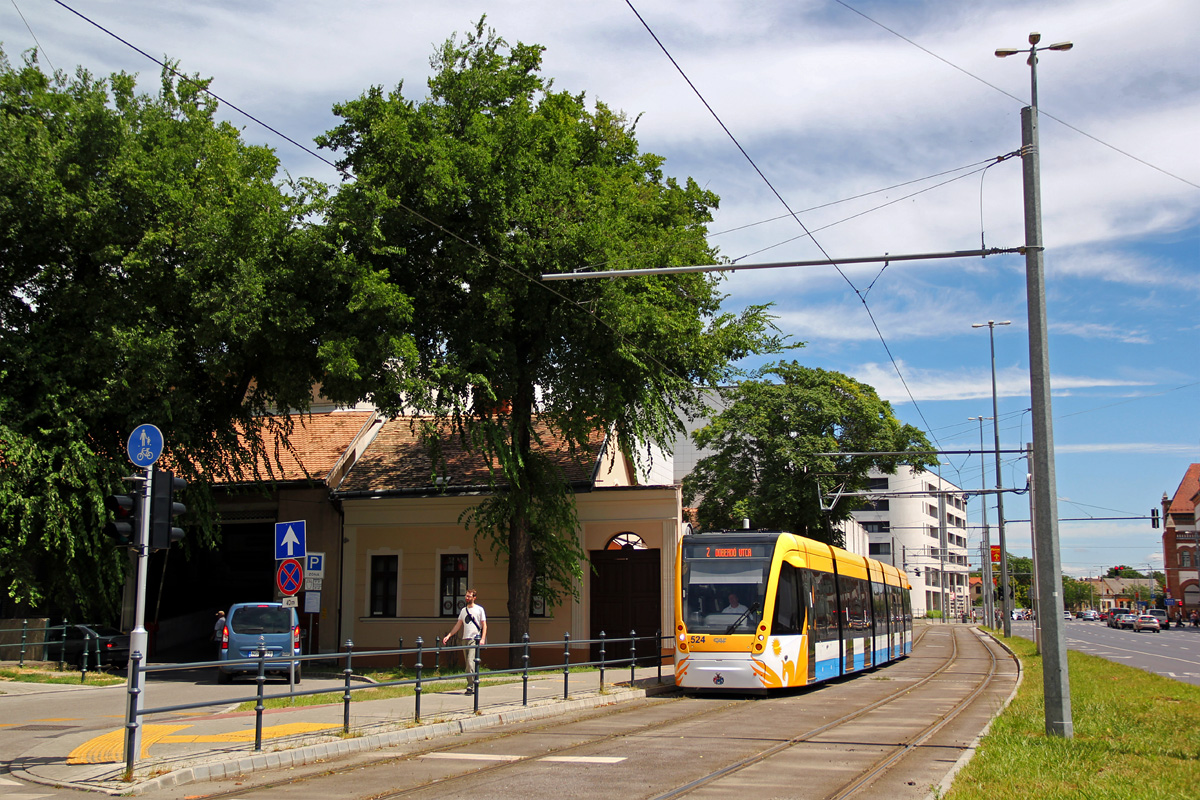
(729, 550)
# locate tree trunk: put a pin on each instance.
(520, 537)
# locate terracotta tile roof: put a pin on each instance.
(1182, 502)
(317, 443)
(398, 460)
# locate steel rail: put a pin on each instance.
(888, 761)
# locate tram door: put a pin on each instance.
(625, 597)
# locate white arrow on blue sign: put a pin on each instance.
(289, 540)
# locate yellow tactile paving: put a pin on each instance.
(268, 732)
(110, 747)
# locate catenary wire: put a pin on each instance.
(202, 85)
(791, 213)
(1041, 112)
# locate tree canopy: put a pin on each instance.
(463, 199)
(763, 463)
(153, 269)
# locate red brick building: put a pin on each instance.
(1181, 545)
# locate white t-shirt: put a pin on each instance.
(472, 620)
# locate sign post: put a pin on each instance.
(144, 447)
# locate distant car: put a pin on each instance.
(1089, 616)
(1127, 620)
(109, 644)
(1160, 615)
(1114, 616)
(249, 625)
(1067, 615)
(1146, 622)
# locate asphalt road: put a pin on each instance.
(1173, 653)
(32, 711)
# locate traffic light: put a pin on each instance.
(124, 527)
(164, 509)
(1154, 518)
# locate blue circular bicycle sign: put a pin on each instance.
(145, 446)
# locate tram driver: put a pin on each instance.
(734, 606)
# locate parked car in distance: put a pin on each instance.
(1146, 622)
(249, 625)
(110, 644)
(1067, 615)
(1114, 616)
(1160, 615)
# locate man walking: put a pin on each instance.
(472, 619)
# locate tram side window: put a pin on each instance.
(879, 607)
(789, 618)
(825, 606)
(852, 602)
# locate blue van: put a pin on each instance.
(247, 625)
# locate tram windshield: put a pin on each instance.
(724, 596)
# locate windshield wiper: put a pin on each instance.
(750, 610)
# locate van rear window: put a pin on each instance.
(268, 619)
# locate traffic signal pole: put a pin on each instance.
(139, 640)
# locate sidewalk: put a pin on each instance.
(186, 747)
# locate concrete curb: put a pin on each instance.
(246, 763)
(321, 752)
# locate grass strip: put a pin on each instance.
(1137, 735)
(27, 675)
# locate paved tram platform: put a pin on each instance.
(185, 748)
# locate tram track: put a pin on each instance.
(864, 781)
(861, 780)
(677, 726)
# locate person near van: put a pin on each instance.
(219, 629)
(472, 619)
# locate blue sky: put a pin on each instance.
(835, 101)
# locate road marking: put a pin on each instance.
(473, 756)
(500, 757)
(110, 747)
(268, 732)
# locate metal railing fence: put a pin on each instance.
(262, 664)
(52, 639)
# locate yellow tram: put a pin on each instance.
(759, 610)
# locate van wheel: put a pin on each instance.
(224, 677)
(297, 676)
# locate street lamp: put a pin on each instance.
(989, 609)
(1005, 600)
(1055, 680)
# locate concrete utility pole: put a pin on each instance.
(1005, 600)
(1055, 680)
(985, 564)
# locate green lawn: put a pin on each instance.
(31, 674)
(1137, 735)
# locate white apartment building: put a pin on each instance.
(905, 528)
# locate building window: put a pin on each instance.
(453, 582)
(878, 505)
(879, 548)
(877, 527)
(1185, 558)
(931, 510)
(877, 484)
(626, 541)
(385, 579)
